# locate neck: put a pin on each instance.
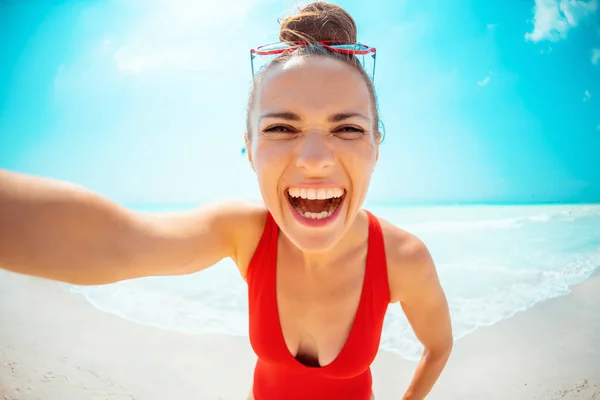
(354, 237)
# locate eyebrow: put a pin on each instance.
(290, 116)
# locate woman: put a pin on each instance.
(320, 270)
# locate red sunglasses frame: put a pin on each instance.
(328, 44)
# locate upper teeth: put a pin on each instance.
(316, 193)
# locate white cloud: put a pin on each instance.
(182, 35)
(595, 56)
(587, 95)
(554, 18)
(484, 81)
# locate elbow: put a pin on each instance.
(441, 351)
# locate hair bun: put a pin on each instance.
(319, 21)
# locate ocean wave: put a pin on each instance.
(469, 314)
(558, 215)
(226, 313)
(488, 276)
(463, 226)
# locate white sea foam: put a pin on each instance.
(463, 226)
(493, 263)
(470, 313)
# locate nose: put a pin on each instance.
(315, 153)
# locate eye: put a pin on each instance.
(349, 132)
(279, 129)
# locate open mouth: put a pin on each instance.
(316, 204)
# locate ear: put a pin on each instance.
(249, 149)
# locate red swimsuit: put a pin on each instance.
(277, 374)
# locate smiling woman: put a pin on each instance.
(321, 271)
(317, 115)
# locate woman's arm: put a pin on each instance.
(415, 284)
(60, 231)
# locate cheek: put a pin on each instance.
(270, 162)
(274, 154)
(359, 158)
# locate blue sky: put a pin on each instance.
(144, 100)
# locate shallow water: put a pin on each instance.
(493, 261)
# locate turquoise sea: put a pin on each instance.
(493, 261)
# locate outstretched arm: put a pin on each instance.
(415, 284)
(60, 231)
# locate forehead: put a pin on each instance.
(315, 85)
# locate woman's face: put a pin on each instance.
(313, 148)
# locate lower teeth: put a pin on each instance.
(311, 215)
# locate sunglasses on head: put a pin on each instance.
(364, 53)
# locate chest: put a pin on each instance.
(325, 321)
(317, 309)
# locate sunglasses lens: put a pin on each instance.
(273, 47)
(349, 46)
(364, 54)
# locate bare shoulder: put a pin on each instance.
(247, 221)
(244, 221)
(200, 237)
(409, 261)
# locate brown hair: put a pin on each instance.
(316, 22)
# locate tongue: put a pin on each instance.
(314, 206)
